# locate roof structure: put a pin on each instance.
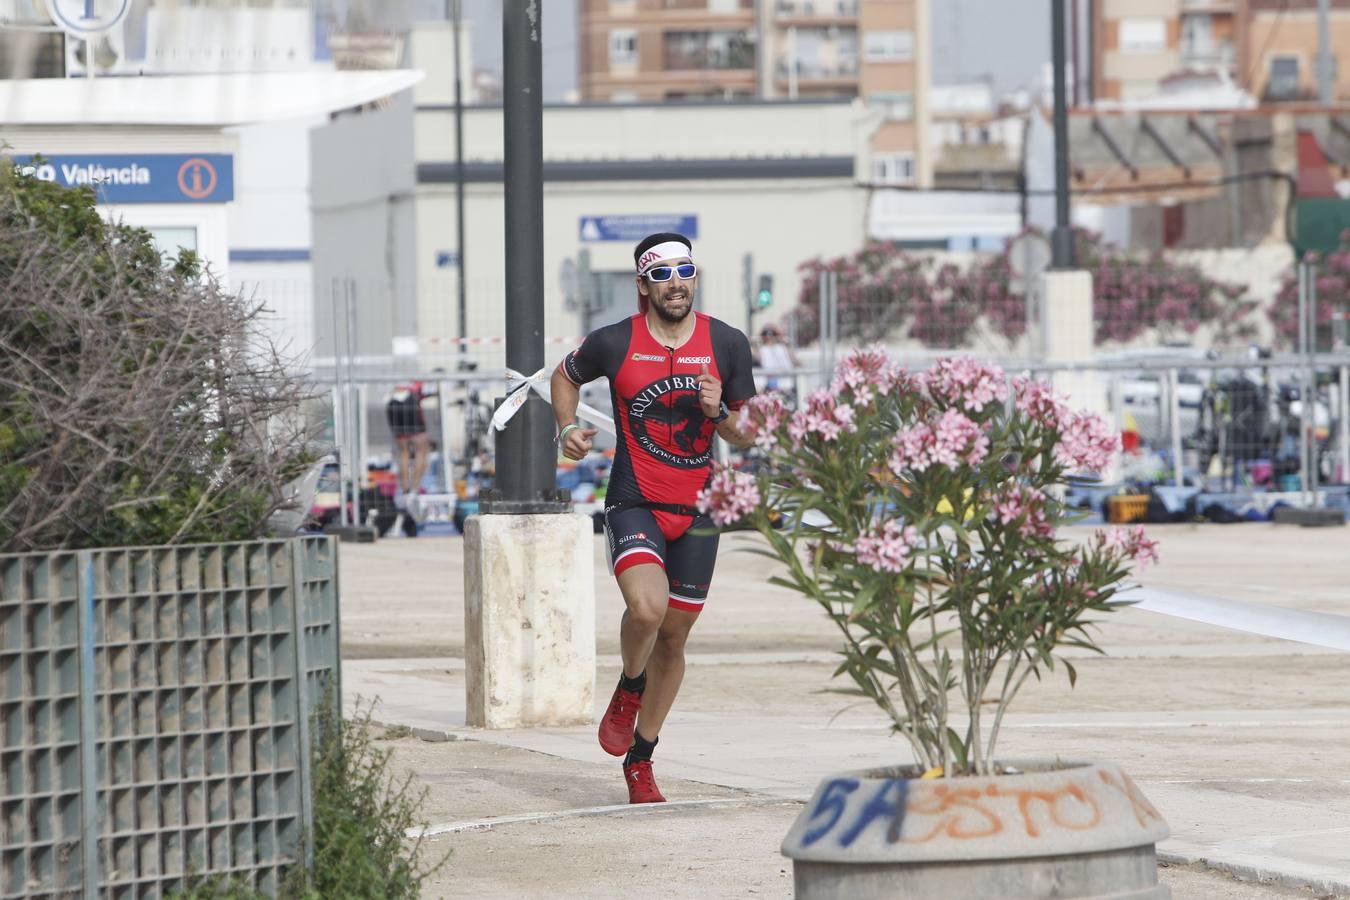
(195, 100)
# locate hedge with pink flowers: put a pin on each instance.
(887, 293)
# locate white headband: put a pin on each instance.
(668, 250)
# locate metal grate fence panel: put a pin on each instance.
(194, 671)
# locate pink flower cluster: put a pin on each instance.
(1086, 443)
(729, 497)
(761, 418)
(823, 415)
(889, 549)
(865, 373)
(1041, 402)
(1015, 502)
(1132, 543)
(951, 441)
(963, 381)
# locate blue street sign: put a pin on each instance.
(140, 177)
(636, 227)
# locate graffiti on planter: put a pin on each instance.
(1139, 805)
(963, 813)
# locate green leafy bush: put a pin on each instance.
(140, 403)
(362, 816)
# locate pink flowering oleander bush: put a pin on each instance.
(886, 291)
(1333, 298)
(921, 512)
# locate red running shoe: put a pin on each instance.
(616, 726)
(641, 785)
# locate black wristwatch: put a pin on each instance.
(721, 416)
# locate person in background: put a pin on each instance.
(775, 355)
(407, 422)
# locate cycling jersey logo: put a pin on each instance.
(647, 357)
(695, 360)
(666, 421)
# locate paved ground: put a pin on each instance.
(1242, 742)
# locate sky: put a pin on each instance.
(1007, 41)
(560, 39)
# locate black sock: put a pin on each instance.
(641, 751)
(636, 685)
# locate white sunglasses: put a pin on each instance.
(665, 273)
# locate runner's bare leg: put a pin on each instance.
(646, 592)
(404, 463)
(421, 456)
(665, 671)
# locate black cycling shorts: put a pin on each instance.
(405, 417)
(685, 546)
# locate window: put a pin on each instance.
(169, 239)
(893, 168)
(888, 46)
(709, 50)
(623, 49)
(1283, 84)
(897, 106)
(1143, 35)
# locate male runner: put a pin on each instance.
(674, 376)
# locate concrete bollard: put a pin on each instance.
(1070, 335)
(529, 617)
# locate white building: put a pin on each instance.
(777, 181)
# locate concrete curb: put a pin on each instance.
(594, 811)
(1258, 874)
(428, 735)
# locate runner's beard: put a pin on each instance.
(666, 314)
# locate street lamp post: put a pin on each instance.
(526, 454)
(1062, 239)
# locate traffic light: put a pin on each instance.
(764, 299)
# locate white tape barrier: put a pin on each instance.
(519, 387)
(1318, 629)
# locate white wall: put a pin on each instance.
(271, 186)
(209, 219)
(693, 131)
(782, 223)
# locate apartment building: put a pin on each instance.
(653, 51)
(1135, 45)
(1277, 49)
(1132, 49)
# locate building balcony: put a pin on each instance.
(704, 60)
(1208, 54)
(845, 70)
(706, 6)
(815, 12)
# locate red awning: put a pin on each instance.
(1314, 172)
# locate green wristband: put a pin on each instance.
(566, 428)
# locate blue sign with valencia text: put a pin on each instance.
(140, 177)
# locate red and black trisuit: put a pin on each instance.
(663, 458)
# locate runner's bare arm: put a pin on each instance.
(566, 396)
(576, 443)
(730, 432)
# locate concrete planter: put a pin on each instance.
(1061, 829)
